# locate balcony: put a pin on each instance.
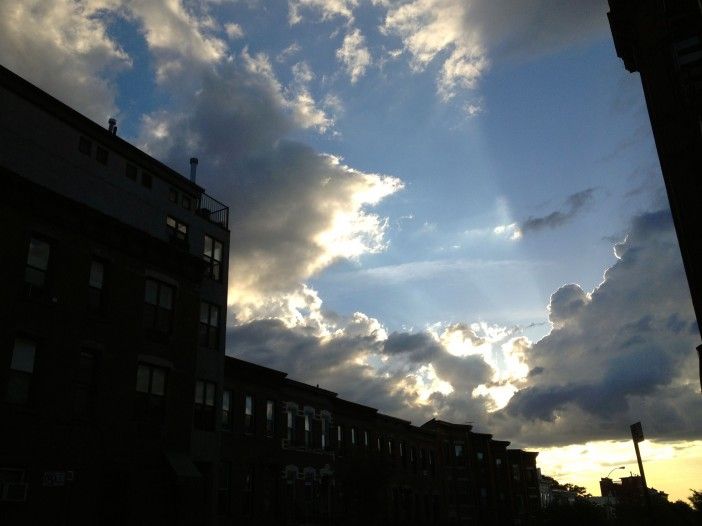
(214, 211)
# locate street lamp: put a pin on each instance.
(614, 469)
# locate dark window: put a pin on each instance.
(378, 445)
(205, 404)
(36, 271)
(85, 146)
(187, 203)
(458, 450)
(131, 172)
(209, 325)
(339, 436)
(101, 155)
(19, 380)
(178, 229)
(173, 195)
(479, 456)
(290, 422)
(270, 418)
(353, 436)
(213, 257)
(226, 409)
(84, 385)
(158, 306)
(224, 497)
(150, 392)
(248, 414)
(308, 430)
(326, 428)
(146, 179)
(365, 439)
(96, 284)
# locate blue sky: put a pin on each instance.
(440, 208)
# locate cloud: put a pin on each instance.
(327, 9)
(354, 55)
(234, 31)
(465, 36)
(64, 47)
(621, 353)
(574, 204)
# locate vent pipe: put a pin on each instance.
(193, 168)
(112, 125)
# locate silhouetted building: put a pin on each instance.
(662, 40)
(297, 454)
(112, 315)
(117, 403)
(630, 491)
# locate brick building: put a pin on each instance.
(118, 405)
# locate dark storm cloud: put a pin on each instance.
(574, 204)
(620, 354)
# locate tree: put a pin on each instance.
(696, 499)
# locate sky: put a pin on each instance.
(439, 208)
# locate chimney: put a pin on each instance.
(193, 168)
(112, 125)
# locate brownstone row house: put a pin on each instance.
(117, 403)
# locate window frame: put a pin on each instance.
(20, 374)
(208, 334)
(178, 230)
(213, 269)
(35, 289)
(160, 315)
(151, 405)
(204, 405)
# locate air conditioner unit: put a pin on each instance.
(14, 492)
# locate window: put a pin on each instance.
(173, 195)
(101, 155)
(365, 438)
(151, 391)
(131, 172)
(19, 381)
(146, 179)
(377, 444)
(248, 414)
(390, 447)
(178, 229)
(213, 257)
(36, 271)
(96, 284)
(187, 203)
(158, 306)
(515, 471)
(226, 409)
(498, 462)
(270, 417)
(209, 326)
(339, 436)
(290, 422)
(205, 404)
(308, 430)
(224, 498)
(326, 429)
(85, 146)
(84, 385)
(458, 450)
(479, 455)
(353, 436)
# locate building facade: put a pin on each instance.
(662, 40)
(117, 403)
(112, 316)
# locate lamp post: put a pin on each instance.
(614, 469)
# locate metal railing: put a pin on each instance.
(213, 210)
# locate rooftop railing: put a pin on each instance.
(213, 210)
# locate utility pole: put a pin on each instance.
(638, 436)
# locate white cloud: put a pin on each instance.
(327, 9)
(289, 51)
(64, 47)
(510, 231)
(234, 31)
(354, 55)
